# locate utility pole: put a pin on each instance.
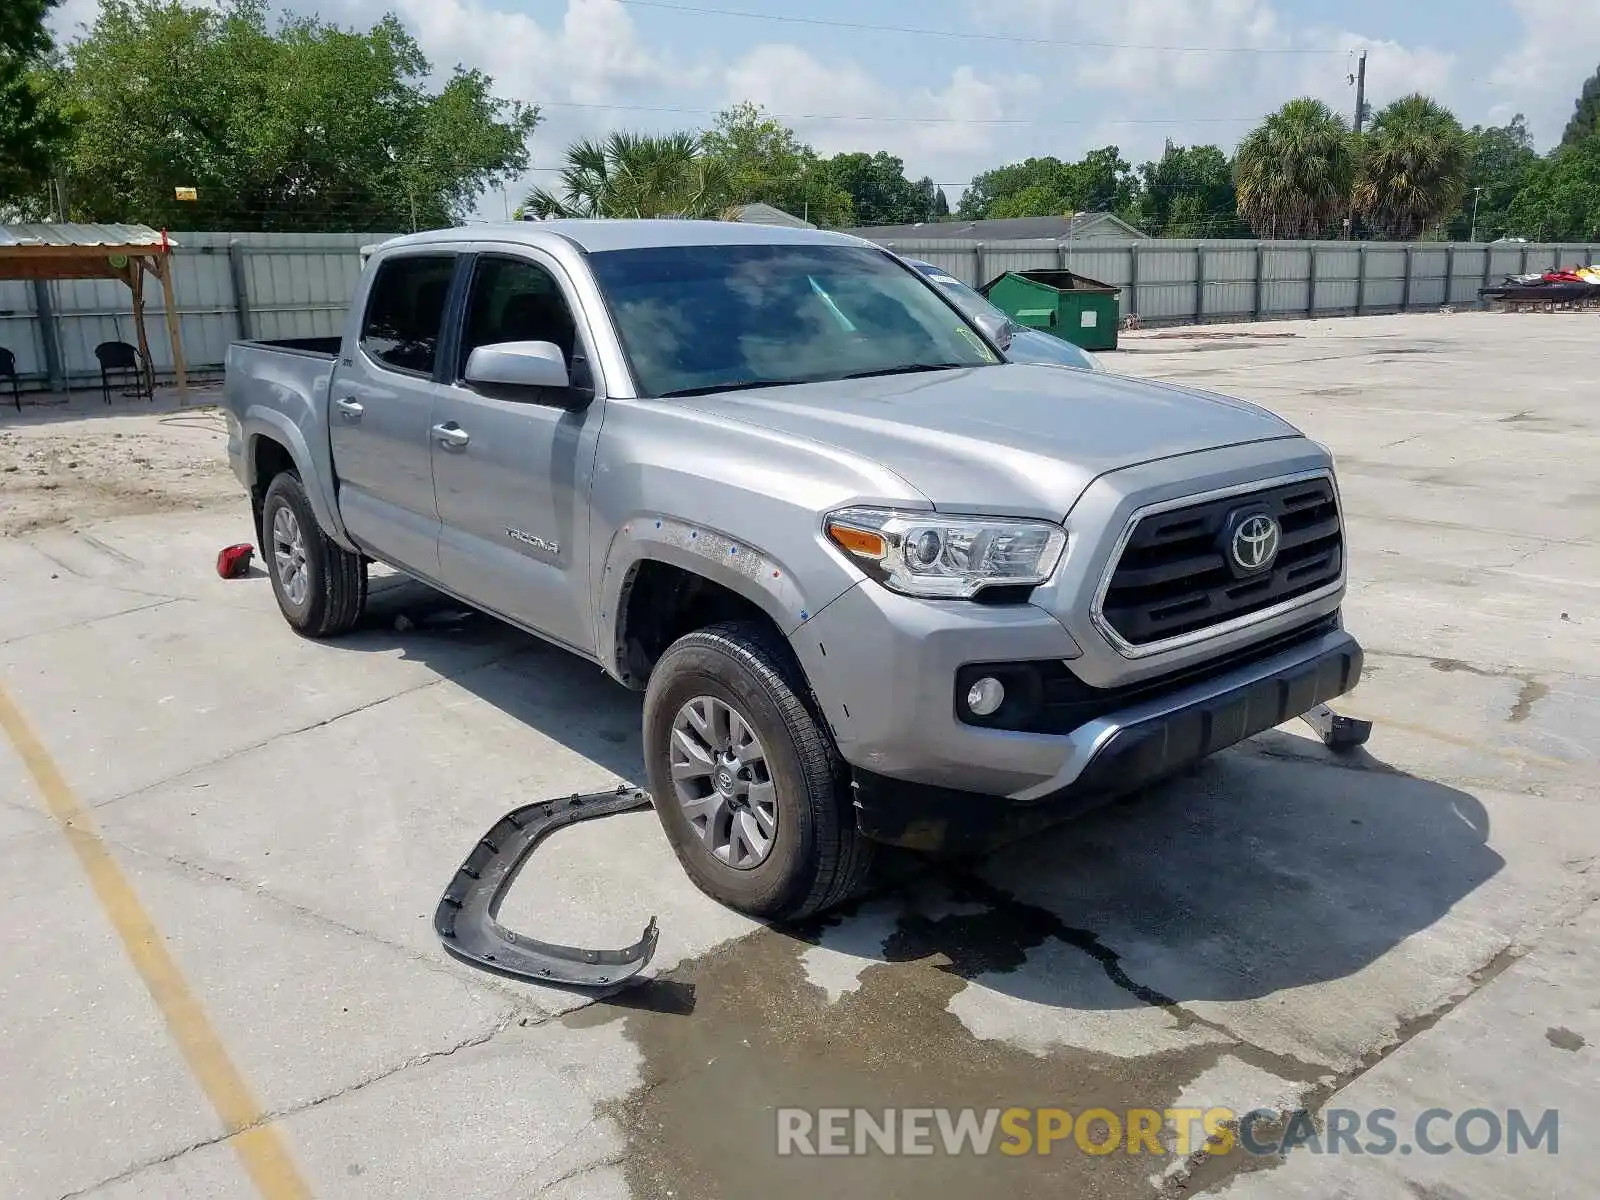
(1361, 112)
(1473, 236)
(1361, 91)
(58, 187)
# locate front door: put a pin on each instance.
(511, 471)
(380, 409)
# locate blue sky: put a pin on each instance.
(1078, 74)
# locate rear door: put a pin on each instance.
(380, 411)
(511, 469)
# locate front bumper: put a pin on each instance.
(1118, 752)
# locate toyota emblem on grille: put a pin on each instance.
(1255, 542)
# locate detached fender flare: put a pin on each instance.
(316, 474)
(467, 917)
(742, 568)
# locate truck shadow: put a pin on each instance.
(1264, 869)
(1270, 867)
(544, 687)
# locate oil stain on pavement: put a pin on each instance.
(728, 1038)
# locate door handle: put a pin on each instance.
(452, 435)
(349, 407)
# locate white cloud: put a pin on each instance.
(1124, 29)
(1393, 70)
(955, 136)
(1541, 78)
(575, 71)
(1196, 96)
(593, 57)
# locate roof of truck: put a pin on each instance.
(598, 235)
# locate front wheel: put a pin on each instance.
(321, 587)
(746, 780)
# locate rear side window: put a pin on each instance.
(405, 310)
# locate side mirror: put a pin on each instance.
(518, 364)
(997, 328)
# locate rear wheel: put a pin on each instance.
(321, 587)
(746, 780)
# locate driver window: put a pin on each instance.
(514, 300)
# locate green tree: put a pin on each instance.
(765, 161)
(1585, 113)
(1293, 172)
(302, 127)
(1101, 181)
(1035, 200)
(1413, 168)
(1104, 182)
(1561, 200)
(1501, 161)
(637, 175)
(1188, 193)
(33, 127)
(1042, 180)
(879, 190)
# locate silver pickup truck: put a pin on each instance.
(876, 583)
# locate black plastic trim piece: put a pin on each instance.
(1338, 732)
(466, 917)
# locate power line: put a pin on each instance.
(968, 36)
(995, 121)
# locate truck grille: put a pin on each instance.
(1175, 575)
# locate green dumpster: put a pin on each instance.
(1073, 307)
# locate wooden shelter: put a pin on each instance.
(125, 252)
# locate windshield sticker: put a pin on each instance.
(978, 343)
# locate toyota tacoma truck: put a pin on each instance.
(876, 583)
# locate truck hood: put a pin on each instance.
(1017, 440)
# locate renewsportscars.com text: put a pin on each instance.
(1160, 1132)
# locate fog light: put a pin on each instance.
(985, 697)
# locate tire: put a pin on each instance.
(326, 588)
(816, 857)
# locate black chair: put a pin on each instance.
(8, 370)
(123, 358)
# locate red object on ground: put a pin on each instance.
(234, 561)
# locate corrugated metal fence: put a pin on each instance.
(1169, 282)
(265, 285)
(297, 285)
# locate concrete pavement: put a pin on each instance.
(1412, 927)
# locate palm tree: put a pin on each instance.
(1413, 168)
(1293, 171)
(636, 175)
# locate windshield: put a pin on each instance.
(711, 318)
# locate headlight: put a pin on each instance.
(926, 554)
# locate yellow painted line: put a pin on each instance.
(260, 1147)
